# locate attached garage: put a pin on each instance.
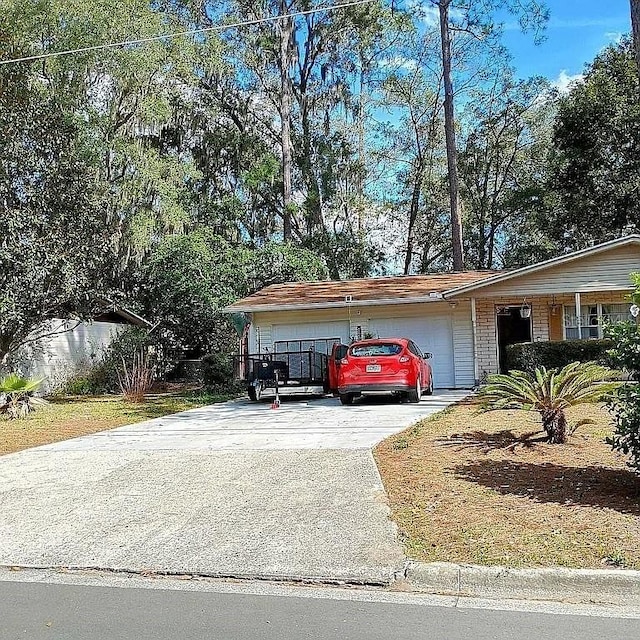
(435, 325)
(433, 334)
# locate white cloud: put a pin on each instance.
(398, 62)
(430, 15)
(583, 23)
(564, 82)
(614, 36)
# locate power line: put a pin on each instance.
(246, 23)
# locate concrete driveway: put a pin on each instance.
(236, 489)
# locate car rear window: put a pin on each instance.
(380, 349)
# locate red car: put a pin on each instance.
(394, 365)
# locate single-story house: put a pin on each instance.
(67, 345)
(465, 319)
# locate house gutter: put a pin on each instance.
(433, 297)
(474, 329)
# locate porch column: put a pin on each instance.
(578, 315)
(476, 377)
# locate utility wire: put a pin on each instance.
(224, 27)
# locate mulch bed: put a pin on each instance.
(485, 488)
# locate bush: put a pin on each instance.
(81, 383)
(625, 405)
(217, 371)
(103, 374)
(16, 396)
(557, 354)
(624, 352)
(136, 377)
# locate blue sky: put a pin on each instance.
(577, 31)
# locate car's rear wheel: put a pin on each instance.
(429, 391)
(346, 398)
(415, 394)
(251, 391)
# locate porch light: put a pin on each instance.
(525, 309)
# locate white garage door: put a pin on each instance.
(432, 333)
(311, 331)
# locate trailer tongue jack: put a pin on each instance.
(276, 401)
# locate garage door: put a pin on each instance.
(433, 334)
(311, 332)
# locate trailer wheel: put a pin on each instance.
(346, 398)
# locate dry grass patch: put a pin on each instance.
(484, 489)
(69, 418)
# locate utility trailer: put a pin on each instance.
(289, 373)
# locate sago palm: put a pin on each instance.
(16, 395)
(549, 392)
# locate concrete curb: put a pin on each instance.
(602, 586)
(348, 579)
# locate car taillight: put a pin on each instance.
(404, 359)
(344, 361)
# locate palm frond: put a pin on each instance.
(549, 391)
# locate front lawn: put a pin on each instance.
(72, 417)
(478, 488)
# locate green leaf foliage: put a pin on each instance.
(625, 408)
(556, 354)
(16, 396)
(625, 404)
(190, 278)
(549, 392)
(596, 162)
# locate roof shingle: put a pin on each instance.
(303, 295)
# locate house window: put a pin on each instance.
(592, 319)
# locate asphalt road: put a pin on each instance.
(76, 612)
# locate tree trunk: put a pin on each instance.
(413, 216)
(286, 36)
(635, 26)
(450, 136)
(555, 424)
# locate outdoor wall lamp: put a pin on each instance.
(525, 309)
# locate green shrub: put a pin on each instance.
(530, 356)
(625, 408)
(103, 374)
(79, 384)
(16, 396)
(625, 405)
(624, 352)
(217, 371)
(550, 392)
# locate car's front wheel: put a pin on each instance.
(415, 394)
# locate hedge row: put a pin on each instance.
(556, 354)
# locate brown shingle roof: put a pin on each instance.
(332, 293)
